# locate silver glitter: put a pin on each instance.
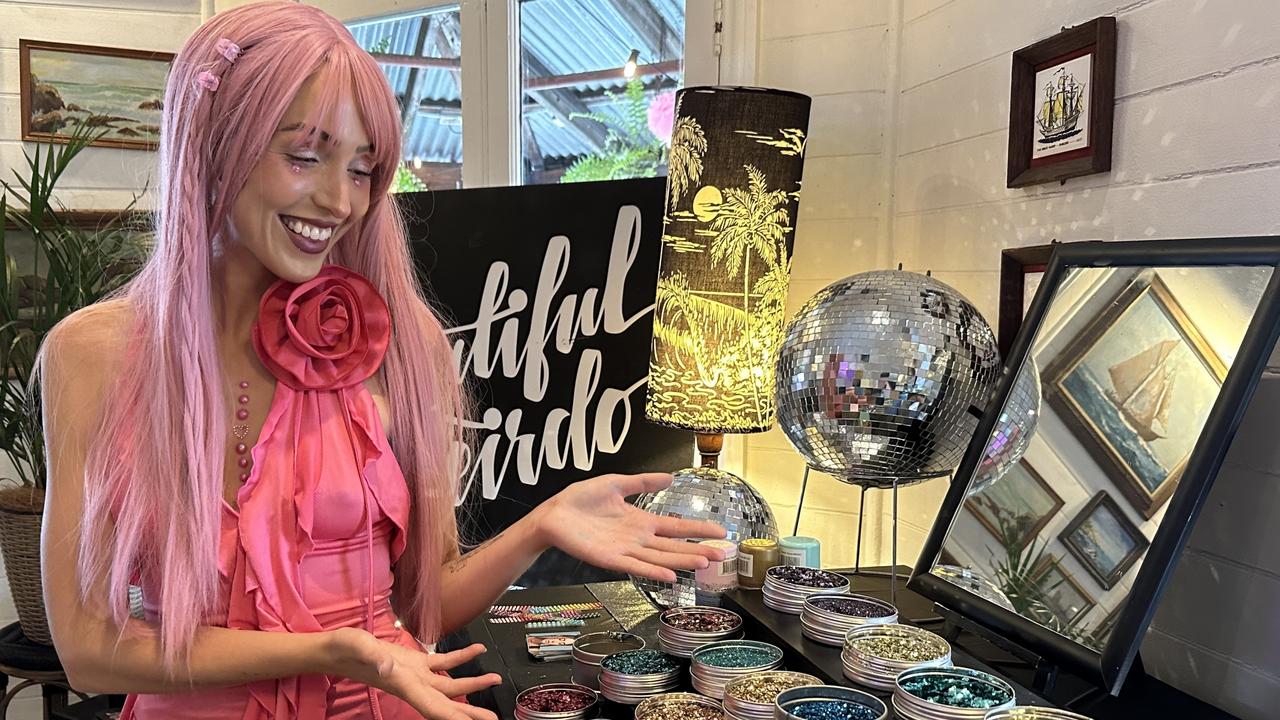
(884, 375)
(1013, 430)
(705, 494)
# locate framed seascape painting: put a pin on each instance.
(1017, 506)
(119, 91)
(1104, 540)
(1139, 413)
(1061, 105)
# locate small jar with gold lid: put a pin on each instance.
(755, 557)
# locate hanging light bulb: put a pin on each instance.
(629, 70)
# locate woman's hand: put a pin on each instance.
(411, 675)
(592, 521)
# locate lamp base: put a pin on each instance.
(709, 447)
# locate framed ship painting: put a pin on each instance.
(1061, 105)
(1135, 389)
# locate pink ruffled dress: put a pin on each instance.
(323, 515)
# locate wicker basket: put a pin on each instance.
(20, 545)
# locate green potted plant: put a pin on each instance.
(631, 148)
(67, 267)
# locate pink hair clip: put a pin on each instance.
(227, 49)
(207, 80)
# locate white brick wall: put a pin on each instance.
(921, 175)
(839, 53)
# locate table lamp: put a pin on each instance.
(733, 192)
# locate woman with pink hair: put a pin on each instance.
(297, 576)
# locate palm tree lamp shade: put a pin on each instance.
(733, 191)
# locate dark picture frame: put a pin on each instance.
(1006, 484)
(1065, 587)
(1047, 105)
(1108, 661)
(1021, 269)
(44, 111)
(1136, 472)
(1081, 538)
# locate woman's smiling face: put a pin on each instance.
(309, 189)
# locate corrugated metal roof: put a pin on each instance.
(562, 37)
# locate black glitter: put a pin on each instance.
(852, 607)
(809, 577)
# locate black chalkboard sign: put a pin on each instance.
(549, 290)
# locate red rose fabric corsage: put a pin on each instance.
(327, 333)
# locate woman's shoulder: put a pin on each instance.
(94, 335)
(103, 325)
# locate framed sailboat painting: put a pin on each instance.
(1061, 105)
(1135, 388)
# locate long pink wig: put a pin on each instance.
(155, 472)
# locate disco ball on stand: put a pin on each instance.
(705, 493)
(881, 380)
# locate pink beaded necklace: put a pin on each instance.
(241, 431)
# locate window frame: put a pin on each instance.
(491, 72)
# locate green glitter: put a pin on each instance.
(961, 692)
(736, 657)
(640, 662)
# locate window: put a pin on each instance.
(598, 87)
(502, 92)
(422, 59)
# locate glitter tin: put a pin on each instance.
(829, 702)
(754, 697)
(679, 706)
(590, 649)
(949, 694)
(1027, 712)
(715, 664)
(555, 701)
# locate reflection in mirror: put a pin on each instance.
(1117, 386)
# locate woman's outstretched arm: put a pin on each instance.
(590, 520)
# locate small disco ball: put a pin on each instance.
(882, 377)
(1013, 431)
(705, 494)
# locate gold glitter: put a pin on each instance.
(681, 710)
(897, 648)
(763, 688)
(760, 542)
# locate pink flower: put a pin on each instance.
(207, 80)
(227, 49)
(662, 115)
(328, 332)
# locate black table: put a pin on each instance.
(625, 609)
(1143, 697)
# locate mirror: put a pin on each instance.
(1119, 371)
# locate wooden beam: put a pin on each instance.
(408, 108)
(422, 62)
(546, 82)
(562, 103)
